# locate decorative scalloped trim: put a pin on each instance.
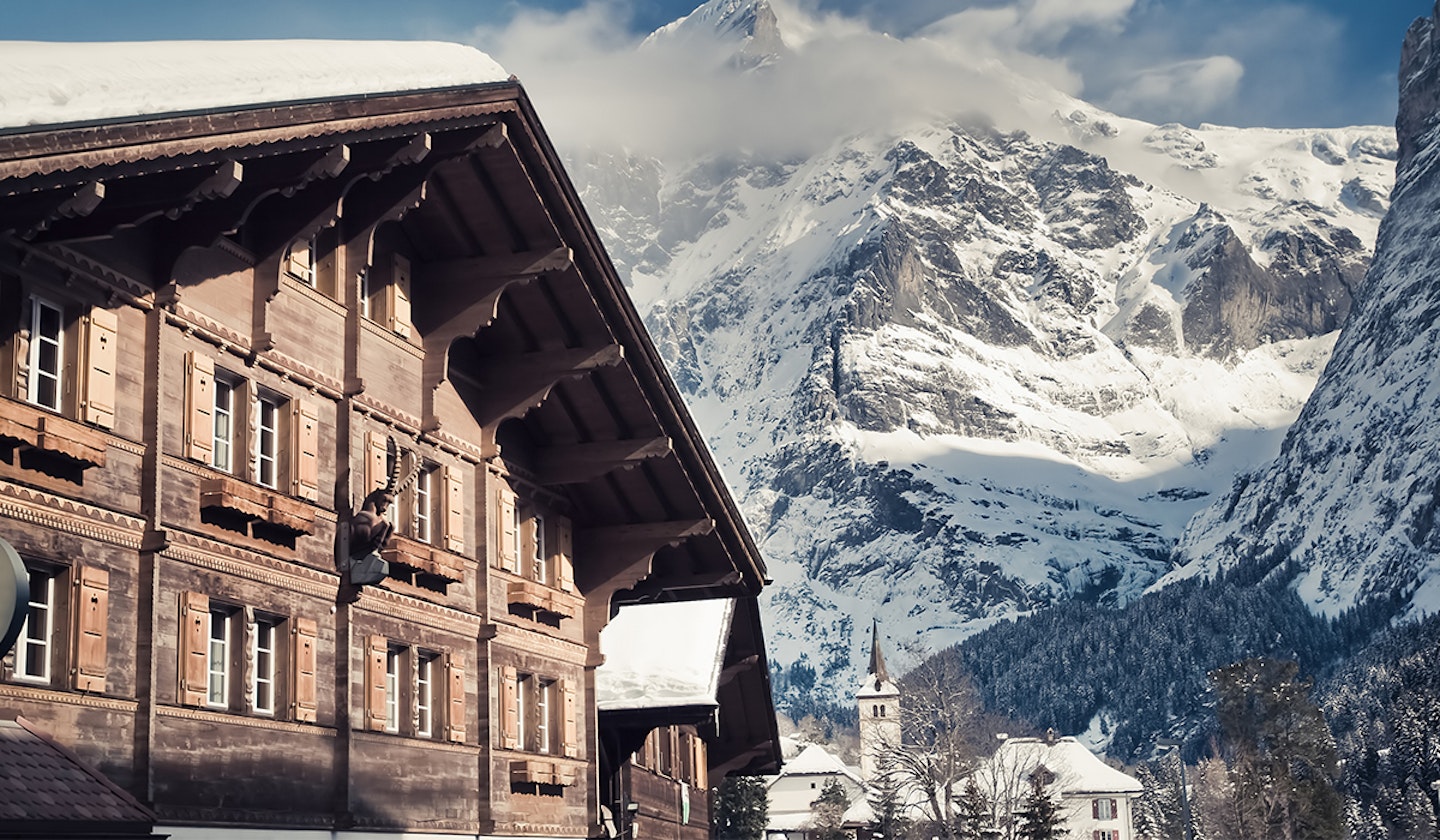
(39, 508)
(251, 565)
(532, 641)
(426, 744)
(68, 698)
(250, 721)
(132, 291)
(208, 328)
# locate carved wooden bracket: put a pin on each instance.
(579, 463)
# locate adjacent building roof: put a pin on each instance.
(663, 655)
(45, 790)
(49, 83)
(1078, 771)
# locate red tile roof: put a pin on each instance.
(45, 786)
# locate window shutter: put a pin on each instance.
(569, 729)
(297, 265)
(702, 770)
(194, 641)
(1114, 811)
(508, 552)
(400, 296)
(565, 552)
(92, 598)
(454, 484)
(199, 406)
(305, 451)
(304, 634)
(455, 699)
(1095, 809)
(101, 354)
(376, 648)
(509, 709)
(377, 471)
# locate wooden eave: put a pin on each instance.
(494, 191)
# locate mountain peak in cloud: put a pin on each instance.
(751, 25)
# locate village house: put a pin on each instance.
(331, 442)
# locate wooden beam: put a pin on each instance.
(611, 538)
(461, 297)
(462, 272)
(79, 205)
(734, 669)
(523, 383)
(584, 462)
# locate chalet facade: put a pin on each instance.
(331, 441)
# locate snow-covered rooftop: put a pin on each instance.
(51, 83)
(1076, 769)
(663, 655)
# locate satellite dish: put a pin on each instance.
(14, 596)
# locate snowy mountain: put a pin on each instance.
(1351, 502)
(958, 366)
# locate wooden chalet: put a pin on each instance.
(222, 331)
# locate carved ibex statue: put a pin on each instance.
(369, 530)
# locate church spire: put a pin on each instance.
(877, 659)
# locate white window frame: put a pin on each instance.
(425, 695)
(1103, 809)
(222, 430)
(544, 689)
(217, 660)
(540, 563)
(424, 504)
(308, 277)
(264, 634)
(392, 689)
(267, 437)
(38, 340)
(33, 649)
(364, 302)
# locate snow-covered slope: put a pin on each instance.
(957, 368)
(1351, 502)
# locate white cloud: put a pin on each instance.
(1179, 88)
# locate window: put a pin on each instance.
(544, 689)
(540, 566)
(262, 654)
(267, 442)
(1104, 809)
(425, 695)
(300, 262)
(222, 439)
(217, 661)
(392, 690)
(33, 648)
(1106, 834)
(423, 506)
(47, 353)
(365, 308)
(524, 683)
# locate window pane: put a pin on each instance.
(218, 660)
(32, 654)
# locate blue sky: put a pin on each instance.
(1246, 62)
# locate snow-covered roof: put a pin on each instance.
(52, 83)
(663, 655)
(873, 686)
(1077, 770)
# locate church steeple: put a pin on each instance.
(879, 705)
(877, 659)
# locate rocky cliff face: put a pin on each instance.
(956, 371)
(1351, 501)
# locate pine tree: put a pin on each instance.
(973, 817)
(885, 800)
(742, 807)
(1040, 819)
(1279, 752)
(827, 812)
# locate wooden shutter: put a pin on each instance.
(453, 481)
(305, 450)
(509, 543)
(702, 769)
(92, 599)
(400, 296)
(509, 709)
(304, 634)
(454, 699)
(1095, 809)
(199, 406)
(377, 471)
(194, 643)
(565, 553)
(569, 724)
(1114, 810)
(97, 402)
(376, 650)
(297, 264)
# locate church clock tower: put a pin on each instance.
(879, 702)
